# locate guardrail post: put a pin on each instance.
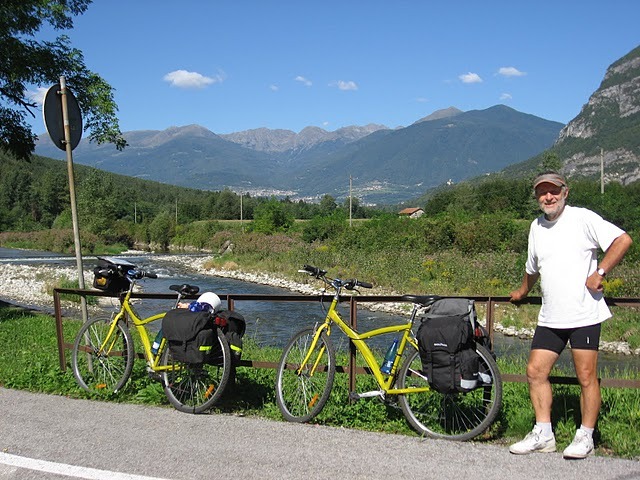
(59, 332)
(353, 322)
(490, 313)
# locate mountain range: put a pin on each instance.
(385, 165)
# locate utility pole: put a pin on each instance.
(350, 200)
(241, 219)
(601, 171)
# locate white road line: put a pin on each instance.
(68, 470)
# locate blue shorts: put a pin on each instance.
(556, 339)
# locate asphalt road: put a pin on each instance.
(53, 437)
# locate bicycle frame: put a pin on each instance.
(127, 312)
(359, 340)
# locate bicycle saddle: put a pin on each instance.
(185, 289)
(425, 300)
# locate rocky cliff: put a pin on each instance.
(607, 128)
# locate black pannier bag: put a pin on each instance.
(233, 326)
(192, 336)
(109, 275)
(483, 338)
(447, 346)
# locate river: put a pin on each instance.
(273, 323)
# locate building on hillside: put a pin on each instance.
(411, 212)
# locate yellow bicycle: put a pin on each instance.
(103, 352)
(307, 369)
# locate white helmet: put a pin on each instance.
(212, 299)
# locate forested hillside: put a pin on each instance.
(34, 196)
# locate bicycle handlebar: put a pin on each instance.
(353, 283)
(315, 271)
(350, 284)
(138, 274)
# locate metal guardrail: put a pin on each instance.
(351, 369)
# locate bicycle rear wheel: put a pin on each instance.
(457, 416)
(303, 390)
(102, 371)
(195, 388)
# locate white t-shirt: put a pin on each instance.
(564, 253)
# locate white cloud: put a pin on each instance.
(38, 95)
(470, 78)
(506, 96)
(422, 100)
(274, 88)
(304, 81)
(510, 72)
(345, 85)
(186, 79)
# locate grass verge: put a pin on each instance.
(29, 361)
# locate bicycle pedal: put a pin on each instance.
(373, 393)
(353, 396)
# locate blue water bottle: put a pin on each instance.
(156, 342)
(389, 357)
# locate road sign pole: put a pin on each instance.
(72, 193)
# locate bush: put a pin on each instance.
(271, 217)
(323, 228)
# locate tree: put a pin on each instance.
(227, 206)
(357, 211)
(100, 203)
(25, 62)
(271, 217)
(550, 161)
(161, 229)
(327, 204)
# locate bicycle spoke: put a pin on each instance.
(457, 416)
(302, 389)
(102, 371)
(196, 388)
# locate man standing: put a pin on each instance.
(562, 252)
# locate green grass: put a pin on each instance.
(29, 361)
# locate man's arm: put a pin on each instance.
(528, 281)
(612, 257)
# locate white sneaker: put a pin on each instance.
(534, 442)
(581, 447)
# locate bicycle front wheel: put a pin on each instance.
(457, 416)
(195, 388)
(303, 390)
(102, 363)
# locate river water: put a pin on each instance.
(273, 323)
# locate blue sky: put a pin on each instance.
(237, 65)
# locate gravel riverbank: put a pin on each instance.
(31, 286)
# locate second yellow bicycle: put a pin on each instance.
(307, 368)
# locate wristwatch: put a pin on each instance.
(600, 271)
